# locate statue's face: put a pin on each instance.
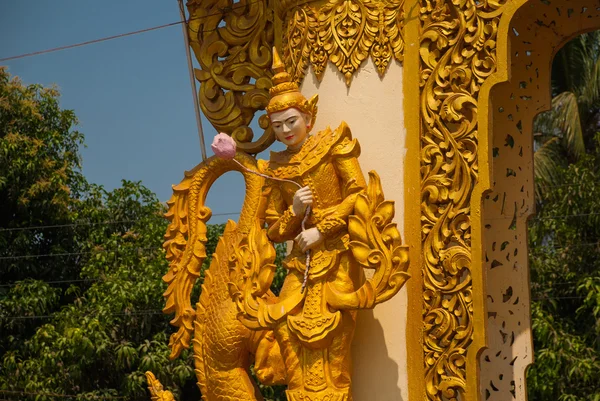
(290, 127)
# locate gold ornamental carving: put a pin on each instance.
(457, 54)
(343, 32)
(232, 41)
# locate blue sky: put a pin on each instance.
(132, 95)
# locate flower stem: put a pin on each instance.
(304, 220)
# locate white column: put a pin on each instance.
(373, 108)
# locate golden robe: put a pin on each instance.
(316, 336)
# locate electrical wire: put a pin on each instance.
(44, 227)
(565, 216)
(57, 395)
(67, 225)
(83, 280)
(50, 255)
(104, 39)
(92, 224)
(545, 298)
(133, 313)
(190, 65)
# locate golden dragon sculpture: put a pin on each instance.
(223, 346)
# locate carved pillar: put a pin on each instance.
(527, 43)
(484, 68)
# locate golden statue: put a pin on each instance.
(314, 194)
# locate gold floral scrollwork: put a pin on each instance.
(376, 243)
(252, 270)
(345, 32)
(298, 43)
(458, 52)
(232, 41)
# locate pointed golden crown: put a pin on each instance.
(285, 93)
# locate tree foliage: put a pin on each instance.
(40, 178)
(566, 132)
(564, 236)
(80, 267)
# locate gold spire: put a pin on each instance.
(285, 93)
(280, 74)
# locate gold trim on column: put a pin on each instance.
(457, 53)
(412, 210)
(344, 32)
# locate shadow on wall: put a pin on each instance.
(381, 372)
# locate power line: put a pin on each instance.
(83, 280)
(57, 395)
(565, 216)
(67, 225)
(133, 313)
(562, 247)
(85, 223)
(89, 42)
(104, 39)
(190, 65)
(564, 185)
(49, 255)
(44, 227)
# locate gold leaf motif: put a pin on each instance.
(384, 213)
(361, 252)
(251, 265)
(344, 32)
(232, 41)
(301, 33)
(356, 228)
(458, 52)
(251, 273)
(155, 387)
(390, 233)
(381, 249)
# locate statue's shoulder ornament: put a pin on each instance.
(338, 143)
(345, 145)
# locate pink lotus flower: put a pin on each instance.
(224, 146)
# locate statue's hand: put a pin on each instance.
(309, 239)
(302, 199)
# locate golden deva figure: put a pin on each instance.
(314, 317)
(316, 335)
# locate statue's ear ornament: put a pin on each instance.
(312, 107)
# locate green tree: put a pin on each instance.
(40, 184)
(566, 132)
(40, 178)
(564, 237)
(107, 330)
(81, 291)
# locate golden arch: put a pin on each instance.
(483, 72)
